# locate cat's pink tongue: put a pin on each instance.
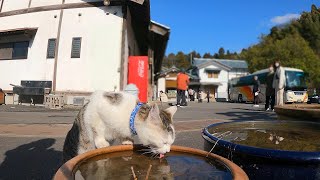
(161, 156)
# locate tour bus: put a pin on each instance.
(240, 88)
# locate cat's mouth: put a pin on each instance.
(156, 152)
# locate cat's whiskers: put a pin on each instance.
(155, 155)
(148, 152)
(145, 149)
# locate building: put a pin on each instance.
(79, 45)
(214, 75)
(167, 80)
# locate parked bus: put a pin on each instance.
(240, 89)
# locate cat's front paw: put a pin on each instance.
(101, 143)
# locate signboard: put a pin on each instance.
(138, 75)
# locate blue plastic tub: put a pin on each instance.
(266, 163)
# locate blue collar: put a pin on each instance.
(132, 117)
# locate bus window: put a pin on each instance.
(295, 80)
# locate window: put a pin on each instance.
(213, 74)
(14, 50)
(51, 50)
(6, 51)
(76, 47)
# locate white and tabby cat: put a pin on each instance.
(107, 118)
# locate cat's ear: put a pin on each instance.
(172, 110)
(154, 112)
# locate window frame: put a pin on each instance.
(213, 74)
(54, 48)
(26, 54)
(72, 49)
(12, 45)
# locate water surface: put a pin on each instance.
(173, 166)
(286, 135)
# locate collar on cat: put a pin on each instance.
(132, 117)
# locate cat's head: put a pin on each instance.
(155, 127)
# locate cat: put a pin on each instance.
(106, 117)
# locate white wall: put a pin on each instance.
(223, 75)
(36, 67)
(222, 90)
(37, 3)
(99, 64)
(100, 50)
(9, 5)
(161, 85)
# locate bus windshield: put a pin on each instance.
(295, 80)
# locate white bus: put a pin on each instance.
(240, 89)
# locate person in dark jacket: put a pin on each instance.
(270, 91)
(256, 90)
(208, 96)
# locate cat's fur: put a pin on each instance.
(106, 118)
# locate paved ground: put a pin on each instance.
(31, 138)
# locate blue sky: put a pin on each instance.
(207, 25)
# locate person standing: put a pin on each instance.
(191, 94)
(182, 86)
(270, 92)
(208, 96)
(200, 96)
(279, 82)
(256, 90)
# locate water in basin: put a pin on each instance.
(121, 165)
(290, 136)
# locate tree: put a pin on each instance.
(297, 44)
(194, 54)
(221, 53)
(309, 27)
(207, 55)
(182, 60)
(169, 61)
(293, 51)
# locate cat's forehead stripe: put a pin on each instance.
(144, 112)
(166, 120)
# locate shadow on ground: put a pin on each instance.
(242, 114)
(35, 160)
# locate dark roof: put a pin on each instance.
(19, 31)
(159, 36)
(173, 69)
(241, 64)
(233, 64)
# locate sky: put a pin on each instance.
(207, 25)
